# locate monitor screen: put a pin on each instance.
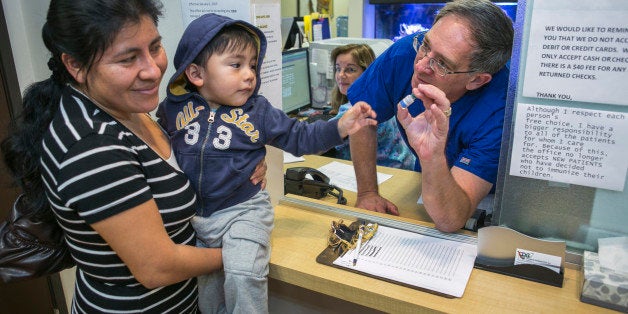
(295, 79)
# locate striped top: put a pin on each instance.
(93, 168)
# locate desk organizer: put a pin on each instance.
(497, 247)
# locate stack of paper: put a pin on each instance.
(435, 264)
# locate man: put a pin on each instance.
(458, 71)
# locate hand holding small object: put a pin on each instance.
(407, 101)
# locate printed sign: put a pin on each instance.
(570, 145)
(578, 51)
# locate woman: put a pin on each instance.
(108, 171)
(350, 62)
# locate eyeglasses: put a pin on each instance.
(348, 70)
(438, 66)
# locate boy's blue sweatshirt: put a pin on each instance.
(219, 150)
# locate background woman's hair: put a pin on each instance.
(363, 55)
(83, 29)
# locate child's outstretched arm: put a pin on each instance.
(354, 119)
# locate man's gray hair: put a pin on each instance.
(491, 29)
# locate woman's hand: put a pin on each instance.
(259, 175)
(358, 116)
(427, 132)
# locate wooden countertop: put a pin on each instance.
(300, 235)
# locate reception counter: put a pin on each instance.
(300, 234)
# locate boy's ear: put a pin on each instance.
(479, 79)
(74, 68)
(194, 74)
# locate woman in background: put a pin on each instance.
(350, 62)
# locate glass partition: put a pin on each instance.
(393, 21)
(563, 166)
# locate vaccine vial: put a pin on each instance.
(407, 101)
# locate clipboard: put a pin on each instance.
(449, 262)
(329, 255)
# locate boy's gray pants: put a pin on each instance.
(243, 232)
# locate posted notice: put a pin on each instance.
(570, 145)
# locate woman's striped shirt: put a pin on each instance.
(93, 168)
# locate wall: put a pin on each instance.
(24, 25)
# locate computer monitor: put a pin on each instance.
(295, 79)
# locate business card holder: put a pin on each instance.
(498, 245)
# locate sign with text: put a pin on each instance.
(237, 10)
(578, 51)
(266, 18)
(571, 145)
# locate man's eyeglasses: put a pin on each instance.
(438, 66)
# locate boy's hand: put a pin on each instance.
(358, 116)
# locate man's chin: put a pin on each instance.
(416, 81)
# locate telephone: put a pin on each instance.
(296, 182)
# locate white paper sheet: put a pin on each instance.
(289, 158)
(435, 264)
(570, 145)
(237, 10)
(343, 175)
(576, 51)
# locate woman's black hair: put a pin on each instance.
(83, 29)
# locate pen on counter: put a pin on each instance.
(357, 248)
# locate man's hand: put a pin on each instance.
(374, 202)
(427, 132)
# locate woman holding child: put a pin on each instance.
(107, 168)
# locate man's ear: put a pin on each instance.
(74, 68)
(479, 80)
(194, 74)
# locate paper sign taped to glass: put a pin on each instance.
(410, 259)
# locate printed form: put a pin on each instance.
(431, 263)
